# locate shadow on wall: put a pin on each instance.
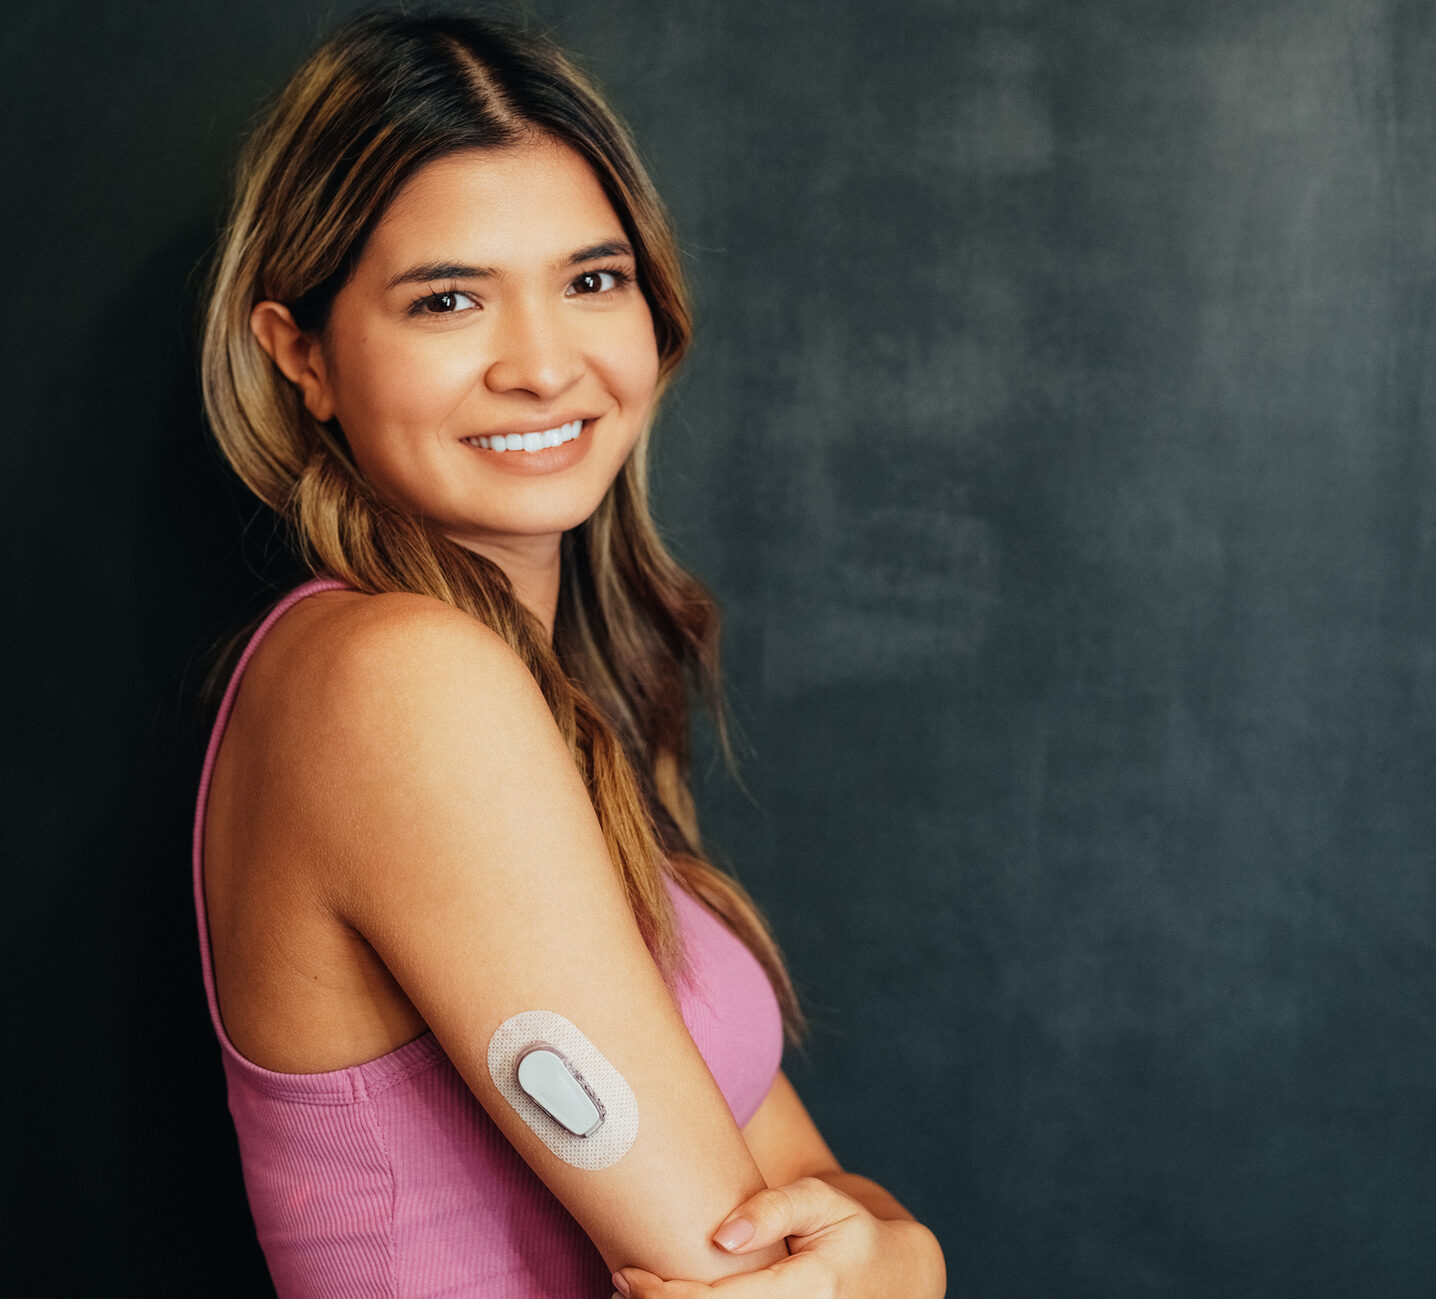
(169, 549)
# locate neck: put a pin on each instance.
(532, 565)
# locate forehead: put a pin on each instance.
(532, 202)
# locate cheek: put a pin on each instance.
(387, 395)
(632, 363)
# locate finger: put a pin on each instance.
(799, 1276)
(800, 1208)
(635, 1283)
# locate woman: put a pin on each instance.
(450, 797)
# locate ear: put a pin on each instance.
(297, 354)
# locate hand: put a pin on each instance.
(839, 1251)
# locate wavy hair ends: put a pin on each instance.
(635, 635)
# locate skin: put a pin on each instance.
(358, 892)
(410, 369)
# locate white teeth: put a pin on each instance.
(529, 441)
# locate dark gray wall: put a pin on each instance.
(1059, 443)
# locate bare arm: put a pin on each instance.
(787, 1147)
(447, 824)
(848, 1235)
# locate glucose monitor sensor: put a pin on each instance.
(560, 1090)
(570, 1097)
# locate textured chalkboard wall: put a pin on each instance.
(1060, 442)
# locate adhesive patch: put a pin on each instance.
(577, 1083)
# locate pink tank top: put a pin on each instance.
(389, 1178)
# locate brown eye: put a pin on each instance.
(447, 303)
(591, 282)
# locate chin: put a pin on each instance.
(476, 534)
(507, 514)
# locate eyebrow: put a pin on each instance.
(426, 271)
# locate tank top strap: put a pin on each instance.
(312, 587)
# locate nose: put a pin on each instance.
(533, 353)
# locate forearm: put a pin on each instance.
(878, 1201)
(924, 1271)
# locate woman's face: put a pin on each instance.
(496, 304)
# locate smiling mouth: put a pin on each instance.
(530, 442)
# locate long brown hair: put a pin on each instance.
(634, 633)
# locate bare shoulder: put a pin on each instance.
(360, 710)
(386, 717)
(387, 629)
(346, 648)
(342, 668)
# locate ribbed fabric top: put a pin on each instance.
(389, 1179)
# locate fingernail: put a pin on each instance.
(732, 1234)
(620, 1285)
